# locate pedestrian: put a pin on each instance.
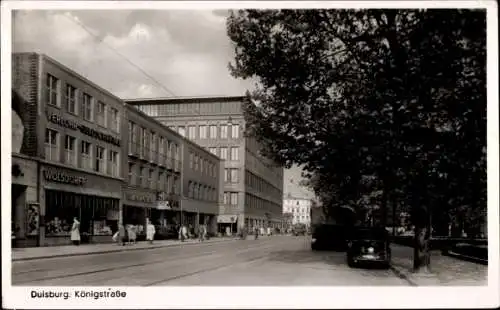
(132, 234)
(122, 235)
(150, 232)
(75, 232)
(256, 233)
(201, 233)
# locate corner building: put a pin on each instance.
(252, 185)
(72, 129)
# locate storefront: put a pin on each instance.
(69, 194)
(227, 224)
(25, 219)
(137, 208)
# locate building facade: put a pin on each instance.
(72, 132)
(299, 208)
(253, 185)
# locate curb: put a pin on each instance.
(403, 274)
(114, 250)
(471, 259)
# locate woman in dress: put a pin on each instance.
(150, 232)
(75, 232)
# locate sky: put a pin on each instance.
(187, 52)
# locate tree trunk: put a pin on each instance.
(421, 249)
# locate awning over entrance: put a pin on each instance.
(163, 205)
(225, 218)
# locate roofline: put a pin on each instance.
(169, 100)
(74, 73)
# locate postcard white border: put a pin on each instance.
(262, 297)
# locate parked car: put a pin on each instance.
(329, 237)
(369, 245)
(299, 229)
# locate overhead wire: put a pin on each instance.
(150, 77)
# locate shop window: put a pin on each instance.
(213, 132)
(60, 209)
(52, 150)
(70, 150)
(101, 116)
(203, 132)
(88, 107)
(53, 87)
(223, 153)
(99, 159)
(86, 152)
(113, 163)
(71, 102)
(223, 131)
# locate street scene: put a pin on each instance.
(249, 147)
(268, 261)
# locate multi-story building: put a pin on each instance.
(253, 185)
(299, 208)
(72, 129)
(168, 179)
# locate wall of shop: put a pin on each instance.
(24, 195)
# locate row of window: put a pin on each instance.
(231, 175)
(261, 185)
(223, 131)
(81, 154)
(78, 103)
(151, 143)
(151, 178)
(296, 210)
(203, 165)
(255, 202)
(231, 198)
(190, 108)
(222, 152)
(201, 192)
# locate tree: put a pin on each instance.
(393, 95)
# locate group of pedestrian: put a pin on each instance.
(127, 234)
(186, 232)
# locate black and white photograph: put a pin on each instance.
(335, 153)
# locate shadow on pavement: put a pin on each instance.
(305, 256)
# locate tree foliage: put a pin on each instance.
(371, 101)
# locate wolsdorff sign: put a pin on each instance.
(56, 119)
(61, 177)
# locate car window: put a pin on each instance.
(368, 233)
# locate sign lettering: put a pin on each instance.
(56, 119)
(139, 197)
(61, 177)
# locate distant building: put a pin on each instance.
(253, 185)
(300, 208)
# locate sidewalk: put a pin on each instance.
(445, 270)
(22, 254)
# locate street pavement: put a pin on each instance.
(269, 261)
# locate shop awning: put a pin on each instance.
(163, 205)
(225, 218)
